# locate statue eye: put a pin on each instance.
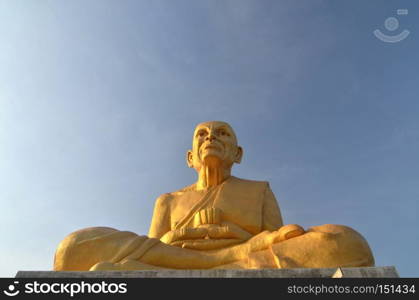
(201, 133)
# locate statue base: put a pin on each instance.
(366, 272)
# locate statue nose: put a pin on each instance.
(210, 137)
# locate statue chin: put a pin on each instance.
(212, 160)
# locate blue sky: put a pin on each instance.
(99, 99)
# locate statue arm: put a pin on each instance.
(272, 219)
(160, 223)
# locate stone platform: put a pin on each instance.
(368, 272)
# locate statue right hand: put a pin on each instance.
(228, 230)
(267, 238)
(289, 231)
(184, 234)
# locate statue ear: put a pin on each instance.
(239, 155)
(189, 158)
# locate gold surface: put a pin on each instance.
(220, 221)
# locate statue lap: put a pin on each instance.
(81, 250)
(325, 246)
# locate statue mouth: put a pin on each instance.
(211, 150)
(212, 146)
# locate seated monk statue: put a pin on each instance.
(220, 221)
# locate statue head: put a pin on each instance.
(214, 143)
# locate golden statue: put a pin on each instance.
(218, 222)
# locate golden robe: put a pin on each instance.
(242, 207)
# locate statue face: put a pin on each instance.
(214, 141)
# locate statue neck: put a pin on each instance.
(209, 176)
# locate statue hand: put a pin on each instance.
(227, 230)
(267, 238)
(207, 236)
(289, 231)
(184, 234)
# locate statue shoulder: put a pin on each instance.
(163, 200)
(247, 182)
(166, 198)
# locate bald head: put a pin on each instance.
(214, 140)
(217, 126)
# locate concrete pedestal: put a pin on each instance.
(369, 272)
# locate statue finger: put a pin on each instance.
(195, 233)
(219, 232)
